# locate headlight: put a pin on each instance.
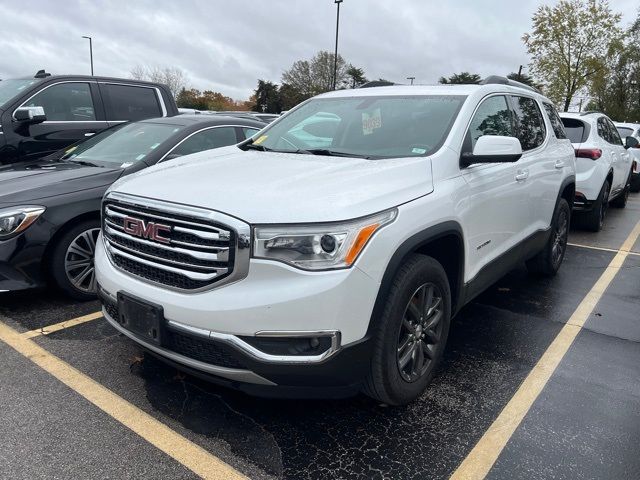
(319, 246)
(16, 219)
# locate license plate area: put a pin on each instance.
(144, 319)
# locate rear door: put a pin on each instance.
(624, 157)
(129, 102)
(614, 150)
(74, 112)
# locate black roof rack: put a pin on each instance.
(497, 79)
(376, 83)
(41, 74)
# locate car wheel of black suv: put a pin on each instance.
(548, 261)
(594, 219)
(72, 260)
(411, 335)
(621, 200)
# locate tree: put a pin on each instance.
(356, 76)
(267, 97)
(568, 44)
(172, 77)
(207, 100)
(524, 78)
(289, 97)
(315, 76)
(461, 78)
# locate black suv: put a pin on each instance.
(43, 114)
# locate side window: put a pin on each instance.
(249, 132)
(613, 133)
(206, 140)
(556, 123)
(493, 117)
(530, 128)
(68, 102)
(603, 131)
(128, 102)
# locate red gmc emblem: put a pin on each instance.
(150, 230)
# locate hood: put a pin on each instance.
(269, 187)
(28, 182)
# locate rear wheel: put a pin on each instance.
(548, 261)
(72, 261)
(412, 332)
(594, 220)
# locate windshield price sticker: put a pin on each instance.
(371, 121)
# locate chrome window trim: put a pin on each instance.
(241, 245)
(200, 131)
(88, 82)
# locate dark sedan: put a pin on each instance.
(50, 209)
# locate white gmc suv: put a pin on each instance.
(327, 254)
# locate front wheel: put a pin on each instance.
(548, 261)
(411, 333)
(72, 261)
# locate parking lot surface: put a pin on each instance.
(81, 401)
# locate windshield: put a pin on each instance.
(625, 131)
(369, 127)
(122, 146)
(13, 86)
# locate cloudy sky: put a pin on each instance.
(226, 45)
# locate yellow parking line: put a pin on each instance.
(192, 456)
(604, 249)
(482, 457)
(62, 325)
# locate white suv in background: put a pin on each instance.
(603, 166)
(632, 130)
(328, 254)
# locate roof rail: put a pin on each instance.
(41, 74)
(589, 112)
(497, 79)
(376, 83)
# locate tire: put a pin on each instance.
(548, 261)
(621, 200)
(72, 259)
(635, 182)
(594, 220)
(388, 381)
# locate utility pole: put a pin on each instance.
(412, 79)
(90, 52)
(520, 74)
(335, 55)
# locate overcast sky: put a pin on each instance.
(226, 45)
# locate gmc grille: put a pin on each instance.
(191, 254)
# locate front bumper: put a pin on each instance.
(273, 298)
(21, 260)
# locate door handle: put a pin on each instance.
(559, 164)
(89, 134)
(522, 175)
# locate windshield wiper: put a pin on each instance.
(253, 146)
(332, 153)
(82, 162)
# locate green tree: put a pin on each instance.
(568, 44)
(461, 78)
(267, 97)
(524, 78)
(355, 76)
(289, 97)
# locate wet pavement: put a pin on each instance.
(585, 423)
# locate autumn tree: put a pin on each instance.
(315, 76)
(461, 78)
(172, 77)
(568, 43)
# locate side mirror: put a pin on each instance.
(631, 142)
(493, 149)
(30, 115)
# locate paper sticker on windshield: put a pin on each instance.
(67, 152)
(125, 165)
(371, 121)
(155, 145)
(261, 139)
(140, 157)
(418, 151)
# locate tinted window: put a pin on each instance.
(625, 132)
(249, 132)
(493, 117)
(70, 102)
(368, 126)
(122, 145)
(206, 140)
(576, 130)
(556, 123)
(126, 102)
(613, 133)
(530, 127)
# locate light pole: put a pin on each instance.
(412, 79)
(335, 55)
(90, 52)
